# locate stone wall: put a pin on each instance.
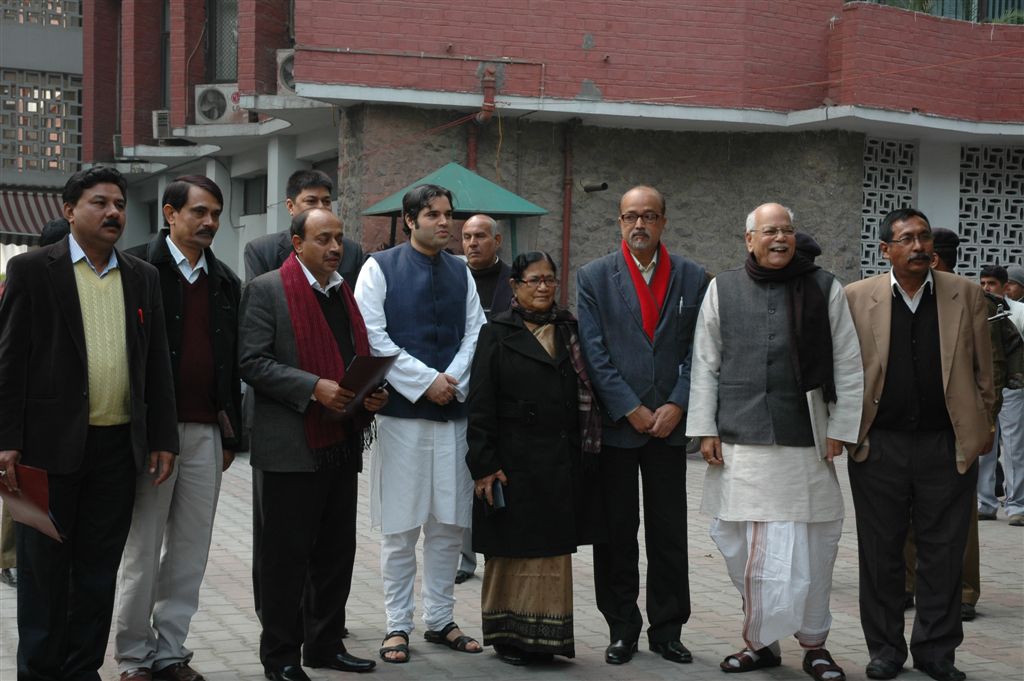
(710, 180)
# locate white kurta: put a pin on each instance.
(772, 482)
(418, 467)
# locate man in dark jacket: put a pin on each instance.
(86, 393)
(201, 297)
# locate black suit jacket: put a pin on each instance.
(225, 295)
(268, 253)
(44, 382)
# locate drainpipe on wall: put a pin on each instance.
(487, 84)
(566, 210)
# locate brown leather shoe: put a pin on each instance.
(179, 671)
(139, 674)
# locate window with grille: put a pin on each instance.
(222, 27)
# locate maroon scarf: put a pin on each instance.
(651, 296)
(318, 354)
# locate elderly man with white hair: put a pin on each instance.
(776, 388)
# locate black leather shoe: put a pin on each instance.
(291, 672)
(882, 669)
(673, 651)
(967, 612)
(620, 652)
(941, 670)
(511, 655)
(341, 661)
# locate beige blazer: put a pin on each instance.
(965, 347)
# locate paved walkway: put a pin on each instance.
(225, 633)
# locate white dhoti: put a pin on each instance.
(783, 571)
(419, 478)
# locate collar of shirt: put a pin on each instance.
(647, 271)
(190, 273)
(332, 281)
(77, 254)
(912, 302)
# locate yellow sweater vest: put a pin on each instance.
(103, 318)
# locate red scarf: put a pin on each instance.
(318, 349)
(651, 296)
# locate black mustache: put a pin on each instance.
(920, 256)
(204, 231)
(112, 223)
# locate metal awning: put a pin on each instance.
(24, 213)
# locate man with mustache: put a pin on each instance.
(421, 304)
(637, 310)
(300, 328)
(927, 415)
(86, 393)
(480, 242)
(160, 589)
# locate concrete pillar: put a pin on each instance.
(225, 245)
(281, 163)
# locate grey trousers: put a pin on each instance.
(165, 557)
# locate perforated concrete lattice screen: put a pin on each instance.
(62, 13)
(991, 207)
(890, 168)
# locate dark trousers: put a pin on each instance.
(911, 477)
(304, 548)
(66, 590)
(616, 563)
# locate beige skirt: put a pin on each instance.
(527, 604)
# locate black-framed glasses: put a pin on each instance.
(772, 232)
(649, 218)
(535, 282)
(923, 239)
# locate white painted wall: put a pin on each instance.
(938, 183)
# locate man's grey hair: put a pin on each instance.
(751, 224)
(495, 229)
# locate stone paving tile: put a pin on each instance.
(225, 633)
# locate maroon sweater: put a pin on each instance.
(196, 392)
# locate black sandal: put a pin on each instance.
(400, 648)
(458, 644)
(819, 662)
(745, 663)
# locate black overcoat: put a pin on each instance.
(523, 419)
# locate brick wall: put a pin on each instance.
(746, 53)
(141, 70)
(262, 30)
(887, 58)
(188, 57)
(99, 104)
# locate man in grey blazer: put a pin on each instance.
(637, 309)
(305, 189)
(300, 327)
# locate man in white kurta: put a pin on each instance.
(771, 486)
(421, 304)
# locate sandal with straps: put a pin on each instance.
(460, 643)
(745, 662)
(402, 648)
(819, 662)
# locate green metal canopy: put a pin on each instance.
(472, 193)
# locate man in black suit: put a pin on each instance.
(305, 189)
(86, 393)
(300, 328)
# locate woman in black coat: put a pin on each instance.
(534, 432)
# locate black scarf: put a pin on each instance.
(590, 415)
(809, 327)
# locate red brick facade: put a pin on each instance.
(188, 57)
(99, 78)
(262, 30)
(141, 71)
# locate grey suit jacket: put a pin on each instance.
(268, 361)
(625, 366)
(267, 253)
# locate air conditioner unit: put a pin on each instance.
(286, 72)
(218, 104)
(161, 124)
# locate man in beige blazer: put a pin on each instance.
(928, 398)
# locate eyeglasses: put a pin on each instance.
(649, 218)
(925, 238)
(772, 232)
(535, 282)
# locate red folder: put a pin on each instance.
(30, 505)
